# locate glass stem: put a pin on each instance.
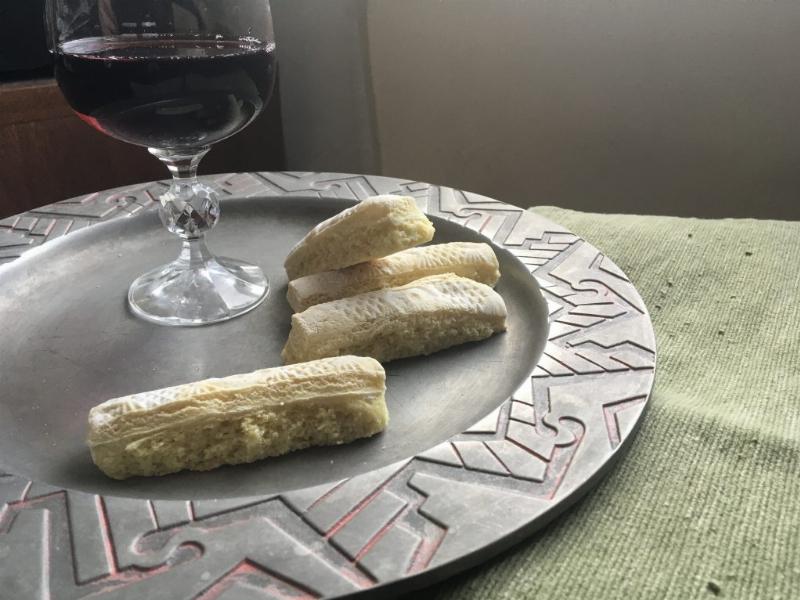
(189, 208)
(194, 252)
(196, 288)
(182, 164)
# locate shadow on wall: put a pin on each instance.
(329, 122)
(683, 107)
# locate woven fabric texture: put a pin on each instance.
(706, 503)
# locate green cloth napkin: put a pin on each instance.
(707, 501)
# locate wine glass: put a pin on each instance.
(174, 76)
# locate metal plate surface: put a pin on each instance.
(486, 443)
(64, 321)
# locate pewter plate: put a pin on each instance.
(486, 442)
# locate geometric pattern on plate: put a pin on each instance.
(397, 527)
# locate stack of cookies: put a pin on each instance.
(361, 286)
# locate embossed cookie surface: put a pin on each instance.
(374, 228)
(421, 317)
(467, 259)
(241, 418)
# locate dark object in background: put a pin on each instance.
(23, 45)
(47, 154)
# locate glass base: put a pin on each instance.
(191, 293)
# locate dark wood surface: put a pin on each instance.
(47, 153)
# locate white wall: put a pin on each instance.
(325, 88)
(681, 107)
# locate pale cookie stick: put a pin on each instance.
(238, 419)
(466, 259)
(373, 228)
(421, 317)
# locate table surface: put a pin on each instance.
(705, 504)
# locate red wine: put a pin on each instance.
(164, 92)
